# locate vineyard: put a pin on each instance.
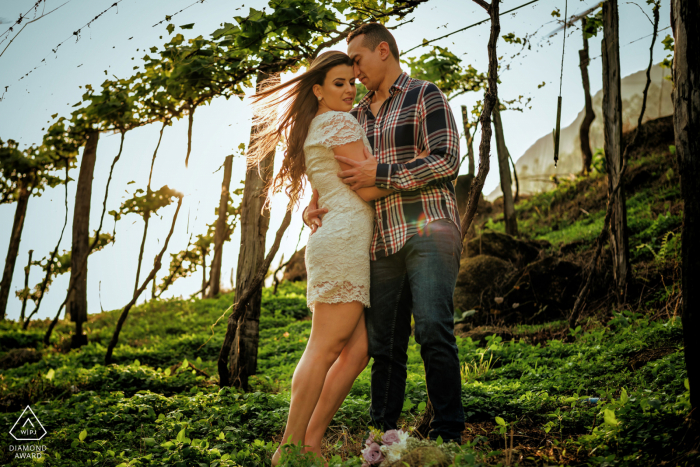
(575, 308)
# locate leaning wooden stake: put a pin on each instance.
(242, 301)
(578, 305)
(49, 265)
(26, 286)
(156, 267)
(490, 99)
(147, 214)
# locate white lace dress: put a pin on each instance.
(337, 254)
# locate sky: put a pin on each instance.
(108, 49)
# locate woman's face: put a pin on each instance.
(338, 90)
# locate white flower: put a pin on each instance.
(393, 452)
(498, 300)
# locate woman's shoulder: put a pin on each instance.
(335, 116)
(332, 127)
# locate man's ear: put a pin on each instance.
(384, 51)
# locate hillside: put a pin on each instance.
(536, 165)
(610, 392)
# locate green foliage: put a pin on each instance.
(146, 203)
(511, 38)
(599, 162)
(475, 369)
(667, 62)
(593, 24)
(34, 168)
(361, 92)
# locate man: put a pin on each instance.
(416, 245)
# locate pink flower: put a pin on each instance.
(370, 439)
(373, 454)
(390, 437)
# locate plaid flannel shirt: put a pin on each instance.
(416, 116)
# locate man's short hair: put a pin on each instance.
(375, 33)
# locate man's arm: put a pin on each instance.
(438, 127)
(357, 151)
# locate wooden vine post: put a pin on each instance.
(613, 190)
(225, 377)
(76, 307)
(612, 116)
(254, 225)
(24, 192)
(490, 100)
(509, 217)
(221, 232)
(685, 22)
(469, 138)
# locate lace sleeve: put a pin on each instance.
(340, 128)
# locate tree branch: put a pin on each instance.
(490, 100)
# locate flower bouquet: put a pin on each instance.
(380, 447)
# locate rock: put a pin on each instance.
(479, 272)
(462, 329)
(422, 456)
(296, 269)
(549, 282)
(500, 245)
(477, 278)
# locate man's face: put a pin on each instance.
(368, 65)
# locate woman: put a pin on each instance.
(310, 115)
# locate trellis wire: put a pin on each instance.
(21, 17)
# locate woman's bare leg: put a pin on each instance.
(352, 360)
(332, 326)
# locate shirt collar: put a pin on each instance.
(400, 84)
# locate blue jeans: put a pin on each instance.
(420, 279)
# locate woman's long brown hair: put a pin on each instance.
(283, 113)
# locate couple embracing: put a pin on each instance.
(385, 237)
